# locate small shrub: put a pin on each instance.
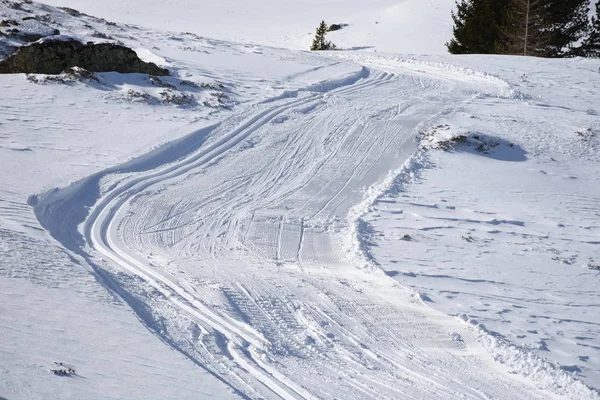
(81, 74)
(71, 11)
(319, 43)
(155, 80)
(189, 84)
(18, 5)
(109, 23)
(32, 78)
(63, 371)
(204, 85)
(101, 35)
(180, 99)
(45, 18)
(60, 369)
(134, 95)
(586, 134)
(69, 75)
(15, 5)
(217, 100)
(212, 85)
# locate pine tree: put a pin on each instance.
(591, 46)
(319, 42)
(477, 26)
(527, 28)
(570, 25)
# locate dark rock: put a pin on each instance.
(5, 48)
(8, 22)
(55, 56)
(336, 27)
(33, 37)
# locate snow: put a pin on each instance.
(273, 223)
(42, 324)
(33, 27)
(524, 269)
(407, 26)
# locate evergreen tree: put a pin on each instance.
(591, 46)
(527, 28)
(545, 28)
(477, 26)
(570, 25)
(319, 42)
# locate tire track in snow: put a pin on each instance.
(265, 189)
(347, 333)
(98, 235)
(244, 345)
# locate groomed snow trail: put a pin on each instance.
(242, 250)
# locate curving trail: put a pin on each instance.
(244, 253)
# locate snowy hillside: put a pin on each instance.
(274, 223)
(406, 26)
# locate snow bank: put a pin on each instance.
(529, 364)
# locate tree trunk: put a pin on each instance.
(526, 31)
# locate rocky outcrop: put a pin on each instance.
(336, 27)
(55, 56)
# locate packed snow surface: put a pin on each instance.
(271, 223)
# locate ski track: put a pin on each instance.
(245, 239)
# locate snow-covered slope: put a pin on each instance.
(503, 224)
(52, 134)
(406, 26)
(297, 230)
